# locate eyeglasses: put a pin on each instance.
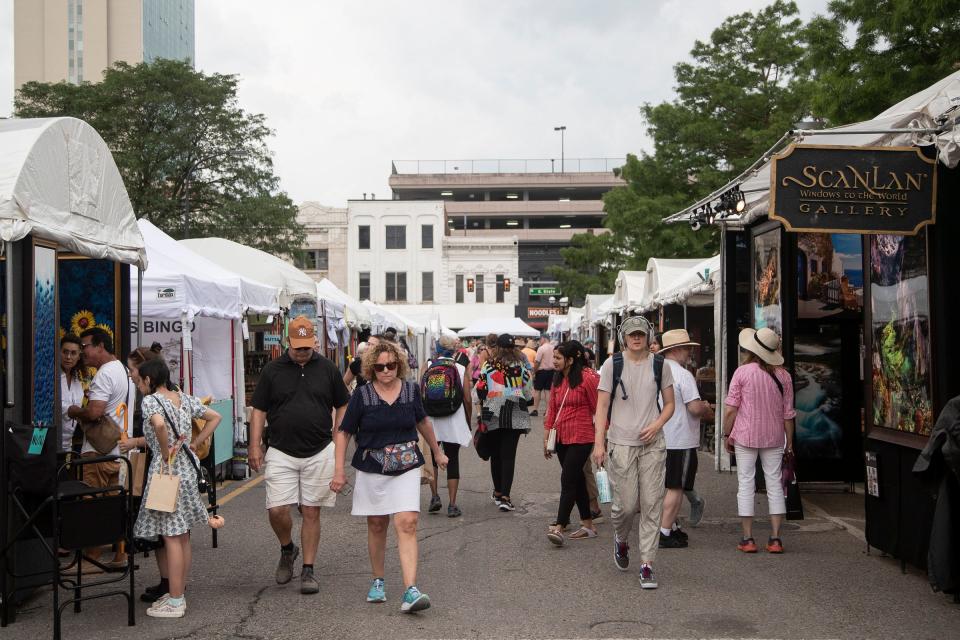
(85, 345)
(380, 368)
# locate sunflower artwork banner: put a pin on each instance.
(88, 296)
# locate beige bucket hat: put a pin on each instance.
(764, 343)
(676, 338)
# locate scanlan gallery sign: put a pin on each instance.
(853, 189)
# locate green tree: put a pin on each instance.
(869, 54)
(741, 92)
(179, 137)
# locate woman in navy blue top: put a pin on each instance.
(386, 416)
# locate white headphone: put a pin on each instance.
(647, 328)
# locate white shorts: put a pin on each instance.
(304, 481)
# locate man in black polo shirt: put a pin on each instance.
(297, 395)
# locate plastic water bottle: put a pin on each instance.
(603, 487)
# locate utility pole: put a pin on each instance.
(561, 129)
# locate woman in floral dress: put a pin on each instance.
(167, 415)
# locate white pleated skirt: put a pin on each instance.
(375, 494)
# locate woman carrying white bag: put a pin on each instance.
(569, 432)
(171, 497)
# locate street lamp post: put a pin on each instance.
(561, 129)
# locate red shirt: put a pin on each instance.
(574, 421)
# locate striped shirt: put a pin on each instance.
(761, 407)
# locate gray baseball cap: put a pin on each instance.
(636, 323)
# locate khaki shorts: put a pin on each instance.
(304, 481)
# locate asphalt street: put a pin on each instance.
(495, 575)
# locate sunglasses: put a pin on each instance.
(380, 368)
(85, 345)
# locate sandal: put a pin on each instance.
(583, 533)
(555, 535)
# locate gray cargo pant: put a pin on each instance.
(637, 473)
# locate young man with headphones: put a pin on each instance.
(631, 384)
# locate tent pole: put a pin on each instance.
(11, 331)
(140, 304)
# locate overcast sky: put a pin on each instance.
(348, 87)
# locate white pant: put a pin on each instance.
(771, 459)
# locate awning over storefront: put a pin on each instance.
(58, 181)
(927, 118)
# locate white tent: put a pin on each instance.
(257, 265)
(556, 324)
(695, 287)
(592, 304)
(662, 274)
(603, 311)
(357, 315)
(484, 326)
(574, 322)
(919, 111)
(179, 281)
(58, 181)
(629, 291)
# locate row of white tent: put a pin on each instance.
(693, 282)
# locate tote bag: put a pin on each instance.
(163, 491)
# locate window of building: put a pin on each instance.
(396, 286)
(364, 238)
(479, 287)
(364, 285)
(499, 287)
(396, 236)
(459, 287)
(426, 286)
(426, 236)
(313, 259)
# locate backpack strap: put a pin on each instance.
(658, 376)
(617, 382)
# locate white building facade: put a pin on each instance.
(324, 254)
(398, 254)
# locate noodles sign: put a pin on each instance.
(853, 189)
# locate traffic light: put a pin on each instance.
(469, 285)
(506, 284)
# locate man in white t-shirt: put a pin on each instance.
(682, 433)
(110, 395)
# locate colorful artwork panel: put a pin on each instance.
(44, 334)
(88, 295)
(767, 311)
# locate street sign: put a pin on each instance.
(544, 291)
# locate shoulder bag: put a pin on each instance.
(203, 484)
(552, 436)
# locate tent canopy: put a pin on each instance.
(257, 265)
(382, 317)
(58, 181)
(694, 287)
(356, 314)
(179, 280)
(629, 290)
(592, 305)
(485, 326)
(919, 111)
(603, 311)
(668, 278)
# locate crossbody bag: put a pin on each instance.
(202, 484)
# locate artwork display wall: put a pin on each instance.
(45, 378)
(88, 297)
(829, 274)
(900, 306)
(819, 394)
(767, 306)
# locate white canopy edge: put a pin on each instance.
(628, 292)
(58, 181)
(257, 265)
(355, 314)
(689, 282)
(603, 312)
(485, 326)
(922, 112)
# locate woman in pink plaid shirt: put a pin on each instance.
(759, 422)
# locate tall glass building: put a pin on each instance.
(168, 30)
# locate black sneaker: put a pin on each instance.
(621, 553)
(596, 516)
(435, 504)
(308, 582)
(680, 533)
(495, 498)
(506, 505)
(153, 593)
(671, 541)
(647, 579)
(285, 566)
(534, 413)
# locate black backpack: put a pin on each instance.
(618, 380)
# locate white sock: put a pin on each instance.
(665, 532)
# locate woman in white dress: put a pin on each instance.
(71, 387)
(385, 417)
(453, 432)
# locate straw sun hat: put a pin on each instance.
(763, 343)
(676, 338)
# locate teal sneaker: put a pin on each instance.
(413, 600)
(377, 591)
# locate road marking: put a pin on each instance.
(240, 490)
(846, 526)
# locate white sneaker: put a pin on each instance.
(166, 597)
(163, 609)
